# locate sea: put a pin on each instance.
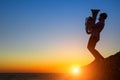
(34, 76)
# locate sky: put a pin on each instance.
(45, 35)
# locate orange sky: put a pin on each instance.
(48, 67)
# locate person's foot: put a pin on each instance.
(99, 60)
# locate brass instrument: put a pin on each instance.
(90, 21)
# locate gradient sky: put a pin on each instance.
(45, 35)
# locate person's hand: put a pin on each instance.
(88, 32)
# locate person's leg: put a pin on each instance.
(91, 47)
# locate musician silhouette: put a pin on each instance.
(94, 29)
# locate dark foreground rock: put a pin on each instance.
(107, 69)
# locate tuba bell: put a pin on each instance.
(90, 21)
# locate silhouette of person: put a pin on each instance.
(95, 36)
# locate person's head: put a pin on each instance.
(102, 16)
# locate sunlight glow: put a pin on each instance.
(76, 70)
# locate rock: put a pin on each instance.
(107, 69)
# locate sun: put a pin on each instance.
(76, 70)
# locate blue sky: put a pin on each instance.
(45, 29)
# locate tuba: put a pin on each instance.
(90, 21)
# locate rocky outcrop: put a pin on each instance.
(107, 69)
